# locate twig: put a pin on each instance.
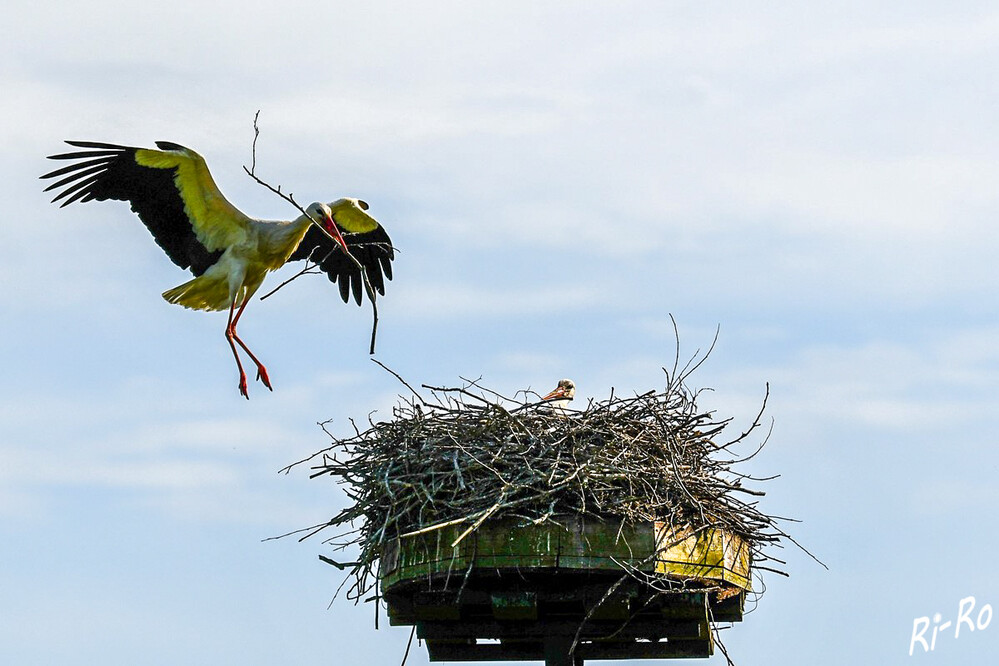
(339, 565)
(409, 644)
(290, 198)
(433, 528)
(399, 377)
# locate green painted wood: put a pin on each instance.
(570, 543)
(514, 605)
(507, 590)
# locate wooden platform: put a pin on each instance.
(508, 592)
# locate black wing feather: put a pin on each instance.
(109, 171)
(372, 249)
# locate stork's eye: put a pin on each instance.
(362, 204)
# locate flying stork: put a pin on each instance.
(228, 252)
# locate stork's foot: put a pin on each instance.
(242, 385)
(262, 376)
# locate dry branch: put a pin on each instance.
(311, 265)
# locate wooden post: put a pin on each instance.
(557, 652)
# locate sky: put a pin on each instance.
(816, 181)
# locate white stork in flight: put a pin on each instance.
(228, 252)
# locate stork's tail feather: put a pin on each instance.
(198, 294)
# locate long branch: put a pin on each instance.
(290, 198)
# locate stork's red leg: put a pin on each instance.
(230, 335)
(261, 370)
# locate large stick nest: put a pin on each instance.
(463, 455)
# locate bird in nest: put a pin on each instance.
(559, 399)
(228, 252)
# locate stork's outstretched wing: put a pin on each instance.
(170, 189)
(372, 249)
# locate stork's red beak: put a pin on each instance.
(557, 393)
(334, 232)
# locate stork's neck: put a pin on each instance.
(301, 223)
(280, 239)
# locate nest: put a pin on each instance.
(464, 455)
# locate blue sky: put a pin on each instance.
(818, 181)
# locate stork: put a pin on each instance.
(228, 252)
(560, 398)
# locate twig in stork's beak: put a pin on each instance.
(329, 226)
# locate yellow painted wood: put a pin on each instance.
(711, 554)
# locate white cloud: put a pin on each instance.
(442, 301)
(920, 386)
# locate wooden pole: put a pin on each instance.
(557, 652)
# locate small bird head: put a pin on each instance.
(565, 390)
(322, 216)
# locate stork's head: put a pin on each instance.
(351, 215)
(322, 216)
(565, 390)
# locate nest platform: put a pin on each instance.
(508, 529)
(512, 592)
